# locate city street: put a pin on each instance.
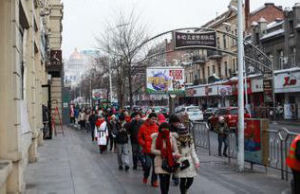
(72, 164)
(291, 126)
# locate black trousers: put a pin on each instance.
(137, 155)
(164, 183)
(112, 142)
(296, 184)
(92, 131)
(149, 162)
(185, 184)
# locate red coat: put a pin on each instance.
(144, 135)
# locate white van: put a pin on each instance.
(194, 112)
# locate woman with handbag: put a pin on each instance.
(165, 150)
(188, 161)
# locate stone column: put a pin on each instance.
(10, 95)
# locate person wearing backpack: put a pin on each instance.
(122, 144)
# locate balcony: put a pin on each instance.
(212, 54)
(198, 59)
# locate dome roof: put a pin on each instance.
(75, 55)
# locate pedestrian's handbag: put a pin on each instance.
(166, 167)
(184, 164)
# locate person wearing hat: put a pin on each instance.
(189, 161)
(101, 134)
(144, 138)
(222, 131)
(164, 147)
(161, 118)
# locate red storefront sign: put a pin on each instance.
(234, 85)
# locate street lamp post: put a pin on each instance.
(240, 157)
(110, 81)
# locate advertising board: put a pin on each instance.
(256, 142)
(165, 80)
(99, 94)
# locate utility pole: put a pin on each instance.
(240, 157)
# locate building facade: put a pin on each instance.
(23, 72)
(280, 41)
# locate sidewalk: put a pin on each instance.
(287, 122)
(72, 164)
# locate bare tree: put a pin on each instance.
(123, 41)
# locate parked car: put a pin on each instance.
(194, 112)
(209, 112)
(229, 113)
(156, 109)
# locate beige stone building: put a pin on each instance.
(207, 63)
(24, 33)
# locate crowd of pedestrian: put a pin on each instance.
(164, 150)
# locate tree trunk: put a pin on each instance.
(130, 89)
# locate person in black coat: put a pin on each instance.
(92, 121)
(133, 130)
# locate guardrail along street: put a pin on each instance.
(279, 144)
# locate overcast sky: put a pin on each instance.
(84, 19)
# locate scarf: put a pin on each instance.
(184, 140)
(167, 151)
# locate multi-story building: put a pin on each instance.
(280, 41)
(23, 59)
(212, 71)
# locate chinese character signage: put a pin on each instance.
(256, 142)
(195, 39)
(56, 57)
(99, 94)
(267, 84)
(165, 80)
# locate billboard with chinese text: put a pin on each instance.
(195, 39)
(165, 80)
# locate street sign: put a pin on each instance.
(195, 39)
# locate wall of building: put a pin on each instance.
(22, 74)
(269, 12)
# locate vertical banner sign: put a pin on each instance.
(165, 80)
(256, 141)
(267, 84)
(195, 39)
(56, 57)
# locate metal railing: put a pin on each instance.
(279, 144)
(201, 135)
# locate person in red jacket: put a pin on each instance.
(144, 138)
(293, 161)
